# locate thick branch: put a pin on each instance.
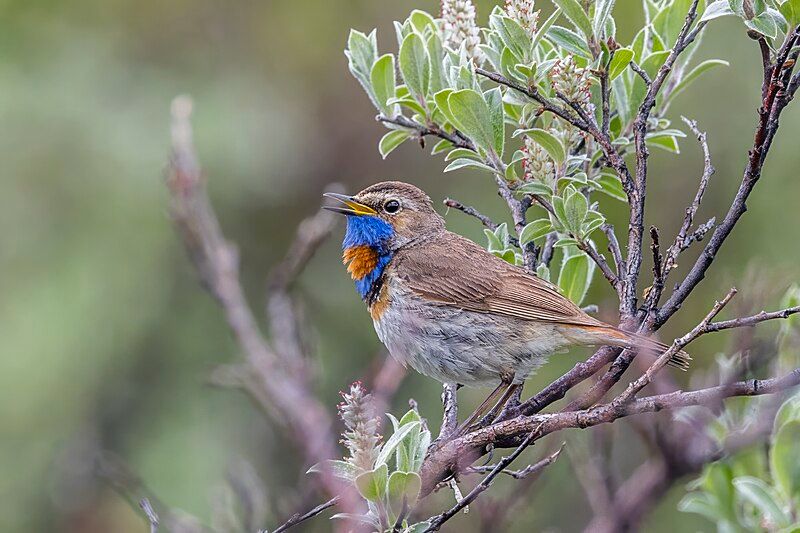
(457, 454)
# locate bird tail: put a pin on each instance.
(623, 339)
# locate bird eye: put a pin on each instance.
(391, 206)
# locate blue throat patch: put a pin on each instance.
(365, 230)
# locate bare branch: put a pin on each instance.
(298, 518)
(637, 201)
(602, 264)
(437, 521)
(683, 239)
(457, 454)
(742, 322)
(642, 74)
(613, 247)
(216, 261)
(450, 411)
(471, 211)
(457, 138)
(150, 513)
(768, 113)
(654, 293)
(677, 345)
(534, 469)
(534, 94)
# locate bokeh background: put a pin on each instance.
(106, 340)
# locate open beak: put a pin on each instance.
(351, 207)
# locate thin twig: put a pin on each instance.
(297, 517)
(683, 240)
(458, 139)
(768, 113)
(533, 469)
(642, 74)
(676, 346)
(654, 294)
(613, 247)
(471, 211)
(437, 521)
(150, 513)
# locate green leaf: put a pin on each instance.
(593, 220)
(784, 463)
(550, 143)
(382, 78)
(392, 140)
(612, 186)
(422, 449)
(575, 13)
(566, 242)
(702, 504)
(463, 162)
(602, 10)
(410, 417)
(534, 187)
(391, 445)
(575, 208)
(653, 62)
(440, 99)
(494, 242)
(763, 498)
(408, 102)
(790, 10)
(535, 230)
(494, 99)
(415, 65)
(619, 62)
(372, 484)
(669, 21)
(436, 54)
(420, 19)
(789, 411)
(472, 117)
(543, 271)
(544, 28)
(338, 468)
(694, 74)
(512, 35)
(569, 41)
(716, 9)
(462, 153)
(441, 146)
(362, 53)
(764, 24)
(668, 143)
(574, 277)
(404, 485)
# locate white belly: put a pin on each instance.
(457, 346)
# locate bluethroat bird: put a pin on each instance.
(450, 309)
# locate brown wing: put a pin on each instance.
(455, 271)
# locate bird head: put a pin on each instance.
(387, 216)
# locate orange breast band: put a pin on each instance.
(360, 261)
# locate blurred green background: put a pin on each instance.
(107, 340)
